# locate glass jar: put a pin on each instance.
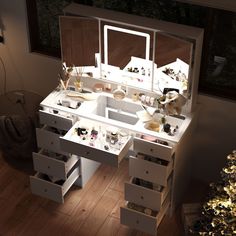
(119, 93)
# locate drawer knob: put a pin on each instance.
(151, 150)
(52, 142)
(49, 167)
(147, 172)
(137, 222)
(87, 153)
(142, 197)
(45, 190)
(55, 121)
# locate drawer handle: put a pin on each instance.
(137, 222)
(142, 197)
(147, 172)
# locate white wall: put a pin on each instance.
(25, 71)
(214, 138)
(35, 74)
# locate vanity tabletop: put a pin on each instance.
(89, 105)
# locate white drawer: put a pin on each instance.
(54, 164)
(154, 149)
(73, 144)
(47, 139)
(149, 170)
(147, 197)
(41, 186)
(141, 221)
(54, 120)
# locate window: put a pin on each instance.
(218, 72)
(43, 25)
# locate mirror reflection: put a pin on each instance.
(79, 40)
(119, 45)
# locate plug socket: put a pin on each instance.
(19, 97)
(1, 39)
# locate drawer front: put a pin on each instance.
(47, 189)
(138, 220)
(149, 171)
(153, 149)
(53, 120)
(145, 197)
(94, 154)
(52, 166)
(141, 221)
(48, 140)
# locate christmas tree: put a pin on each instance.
(218, 216)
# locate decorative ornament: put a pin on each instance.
(172, 102)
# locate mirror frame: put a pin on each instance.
(128, 31)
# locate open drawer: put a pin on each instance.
(42, 186)
(146, 194)
(54, 164)
(159, 150)
(150, 168)
(101, 148)
(48, 138)
(133, 216)
(55, 120)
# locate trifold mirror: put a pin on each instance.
(143, 58)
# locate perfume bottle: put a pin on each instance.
(119, 93)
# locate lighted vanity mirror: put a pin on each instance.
(127, 55)
(145, 54)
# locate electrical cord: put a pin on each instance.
(5, 92)
(5, 76)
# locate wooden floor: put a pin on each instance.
(93, 210)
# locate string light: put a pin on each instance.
(219, 212)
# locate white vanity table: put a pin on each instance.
(82, 130)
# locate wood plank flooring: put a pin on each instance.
(93, 210)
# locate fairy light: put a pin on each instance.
(219, 212)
